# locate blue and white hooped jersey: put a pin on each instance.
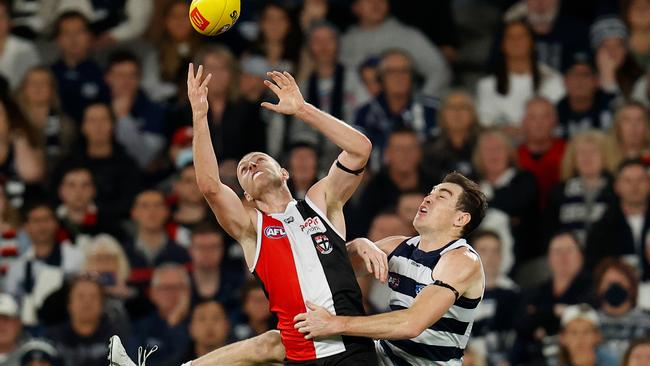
(444, 342)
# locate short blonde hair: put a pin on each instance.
(569, 168)
(106, 244)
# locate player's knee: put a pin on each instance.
(270, 345)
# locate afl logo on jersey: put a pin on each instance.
(323, 244)
(274, 232)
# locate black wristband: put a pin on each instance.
(348, 170)
(442, 284)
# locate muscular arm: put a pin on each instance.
(365, 259)
(226, 205)
(461, 269)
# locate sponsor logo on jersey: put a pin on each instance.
(393, 282)
(313, 225)
(418, 288)
(198, 19)
(274, 232)
(323, 244)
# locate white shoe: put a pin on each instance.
(117, 354)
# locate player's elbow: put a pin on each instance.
(207, 188)
(364, 147)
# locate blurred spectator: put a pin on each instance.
(556, 34)
(541, 152)
(452, 149)
(77, 213)
(314, 11)
(16, 54)
(82, 339)
(255, 309)
(580, 338)
(209, 329)
(516, 77)
(638, 353)
(167, 325)
(369, 76)
(303, 169)
(376, 31)
(585, 105)
(251, 80)
(151, 245)
(586, 188)
(630, 135)
(407, 207)
(31, 19)
(79, 79)
(21, 157)
(617, 68)
(41, 270)
(401, 173)
(626, 222)
(493, 330)
(40, 352)
(568, 285)
(140, 123)
(636, 14)
(113, 21)
(329, 86)
(617, 286)
(115, 174)
(10, 331)
(9, 221)
(279, 38)
(213, 278)
(190, 208)
(509, 190)
(397, 106)
(39, 101)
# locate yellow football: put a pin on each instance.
(212, 17)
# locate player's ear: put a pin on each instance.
(285, 173)
(462, 219)
(248, 197)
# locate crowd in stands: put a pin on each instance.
(103, 230)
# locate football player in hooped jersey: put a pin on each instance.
(296, 248)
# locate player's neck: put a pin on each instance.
(434, 240)
(274, 201)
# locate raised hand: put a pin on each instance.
(197, 91)
(285, 87)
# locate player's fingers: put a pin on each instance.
(270, 106)
(309, 336)
(377, 269)
(190, 74)
(283, 77)
(300, 325)
(300, 317)
(289, 77)
(368, 264)
(199, 73)
(384, 269)
(272, 86)
(275, 76)
(205, 82)
(311, 305)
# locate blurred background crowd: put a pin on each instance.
(542, 102)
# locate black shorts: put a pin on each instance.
(348, 358)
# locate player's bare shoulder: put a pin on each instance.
(462, 268)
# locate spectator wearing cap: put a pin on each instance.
(303, 169)
(10, 331)
(543, 305)
(556, 33)
(585, 105)
(636, 14)
(376, 31)
(630, 133)
(140, 122)
(79, 79)
(40, 352)
(580, 339)
(82, 338)
(541, 152)
(397, 107)
(42, 269)
(17, 55)
(517, 75)
(452, 149)
(585, 191)
(624, 228)
(617, 68)
(621, 320)
(329, 86)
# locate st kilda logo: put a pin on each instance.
(274, 232)
(323, 244)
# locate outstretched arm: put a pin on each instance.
(334, 190)
(227, 207)
(460, 269)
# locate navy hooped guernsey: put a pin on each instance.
(444, 342)
(301, 257)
